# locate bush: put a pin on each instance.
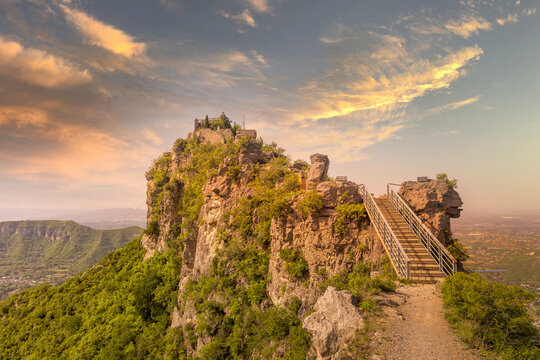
(456, 248)
(359, 282)
(451, 183)
(310, 204)
(491, 316)
(348, 213)
(295, 264)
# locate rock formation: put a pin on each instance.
(246, 207)
(434, 202)
(334, 322)
(318, 171)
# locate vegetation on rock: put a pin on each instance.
(348, 213)
(295, 264)
(452, 183)
(310, 204)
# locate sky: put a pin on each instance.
(92, 91)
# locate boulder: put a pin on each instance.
(333, 323)
(434, 202)
(318, 171)
(336, 193)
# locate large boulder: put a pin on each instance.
(318, 171)
(337, 193)
(333, 323)
(434, 202)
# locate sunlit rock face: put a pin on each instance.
(434, 202)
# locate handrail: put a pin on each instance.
(447, 263)
(398, 257)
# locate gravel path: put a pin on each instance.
(415, 328)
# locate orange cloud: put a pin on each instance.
(385, 77)
(38, 67)
(103, 35)
(67, 151)
(259, 5)
(467, 25)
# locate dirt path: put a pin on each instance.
(415, 328)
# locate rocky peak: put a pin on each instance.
(434, 202)
(318, 171)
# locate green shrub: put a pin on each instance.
(455, 247)
(310, 204)
(359, 282)
(451, 183)
(301, 164)
(296, 266)
(348, 213)
(491, 316)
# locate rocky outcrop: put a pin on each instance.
(333, 324)
(434, 202)
(318, 171)
(52, 230)
(325, 251)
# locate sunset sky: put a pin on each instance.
(92, 91)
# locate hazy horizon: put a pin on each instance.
(91, 92)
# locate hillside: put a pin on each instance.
(246, 255)
(32, 252)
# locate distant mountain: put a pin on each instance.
(114, 218)
(32, 252)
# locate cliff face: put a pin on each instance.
(235, 210)
(434, 202)
(51, 230)
(257, 235)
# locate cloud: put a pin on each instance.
(338, 33)
(103, 35)
(38, 67)
(243, 18)
(455, 105)
(152, 137)
(511, 18)
(221, 69)
(384, 74)
(261, 6)
(467, 25)
(464, 26)
(259, 58)
(68, 154)
(22, 117)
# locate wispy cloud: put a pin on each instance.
(383, 76)
(468, 25)
(242, 18)
(511, 18)
(38, 67)
(259, 58)
(454, 105)
(261, 6)
(103, 35)
(338, 33)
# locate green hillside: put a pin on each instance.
(32, 252)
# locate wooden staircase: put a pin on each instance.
(423, 269)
